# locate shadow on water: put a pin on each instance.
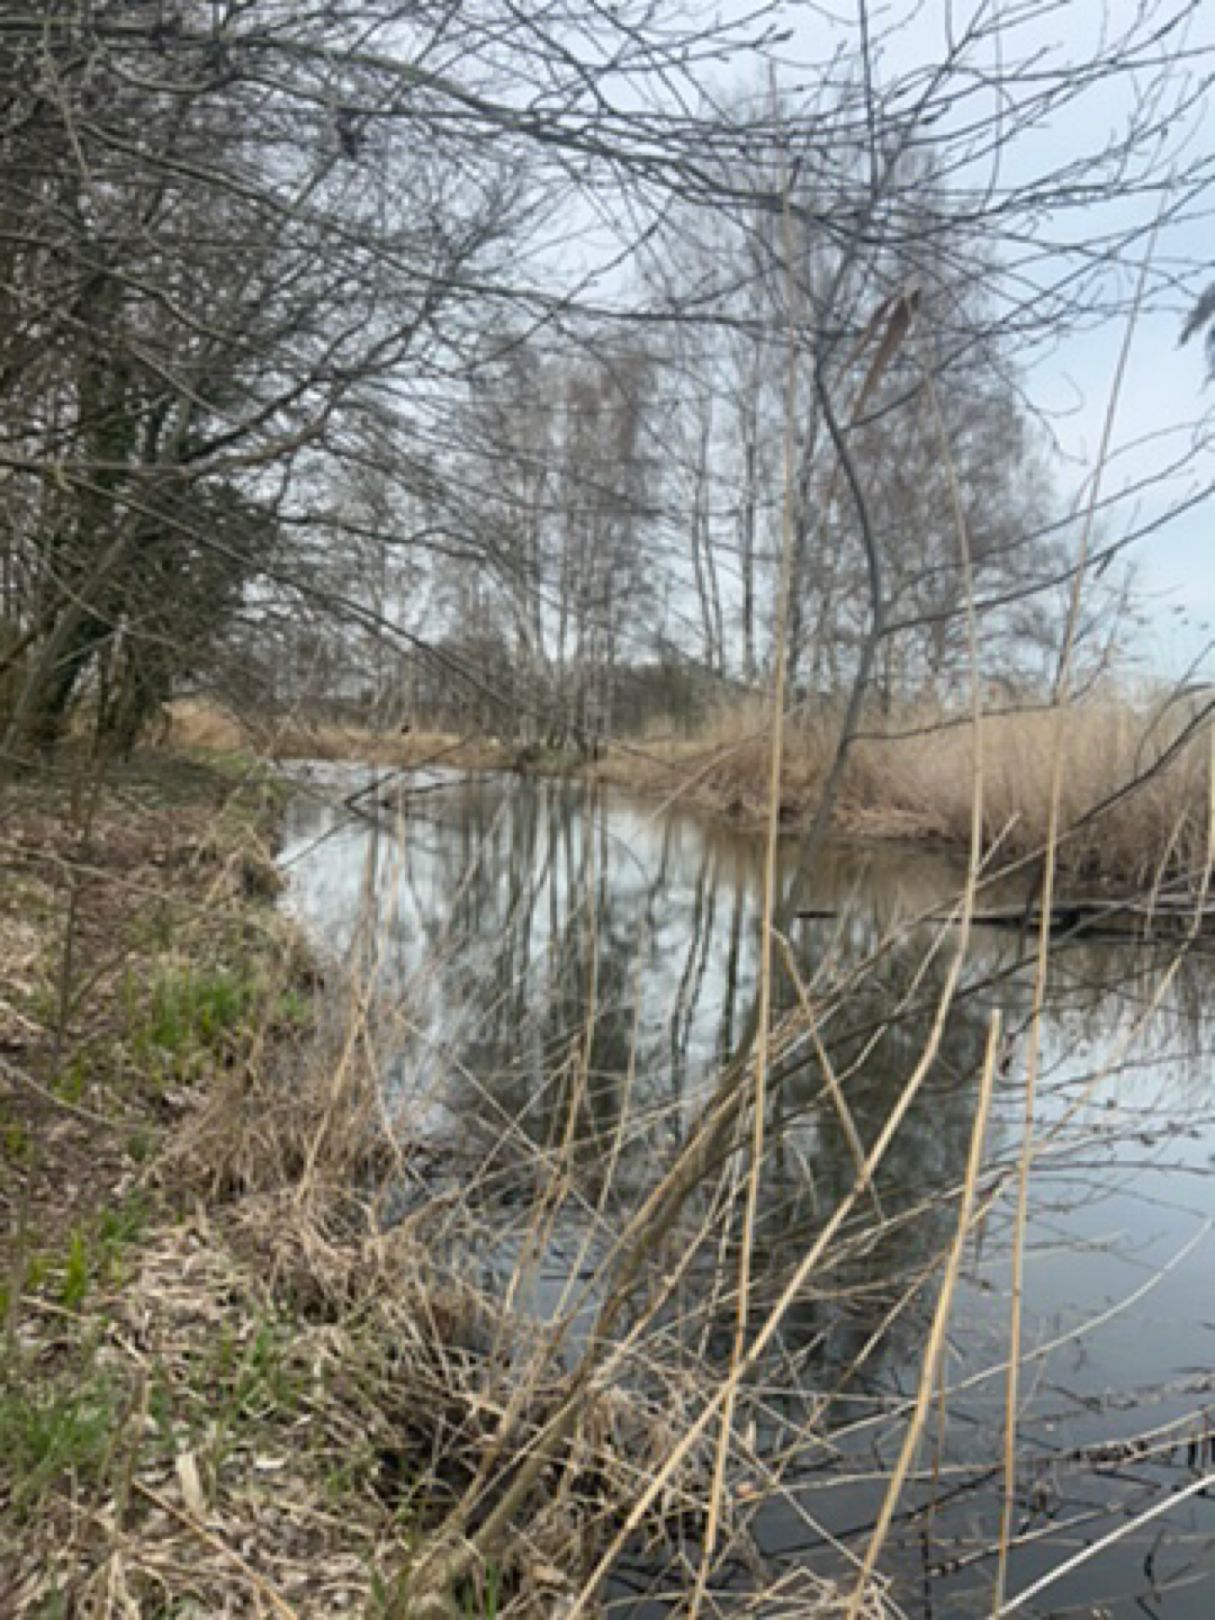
(571, 972)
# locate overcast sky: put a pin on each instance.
(1164, 403)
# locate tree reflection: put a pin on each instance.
(574, 970)
(570, 975)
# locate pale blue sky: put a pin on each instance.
(1165, 407)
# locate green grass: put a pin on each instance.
(189, 1017)
(481, 1599)
(69, 1084)
(123, 1224)
(141, 1144)
(93, 1256)
(76, 1273)
(50, 1435)
(258, 1378)
(190, 1009)
(248, 1384)
(16, 1143)
(56, 1605)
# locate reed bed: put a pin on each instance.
(1135, 790)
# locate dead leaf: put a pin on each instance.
(191, 1484)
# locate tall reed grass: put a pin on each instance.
(1135, 793)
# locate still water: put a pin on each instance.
(572, 969)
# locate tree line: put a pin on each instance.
(412, 356)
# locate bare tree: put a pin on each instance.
(249, 246)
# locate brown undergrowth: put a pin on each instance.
(1135, 788)
(198, 725)
(230, 1385)
(1135, 796)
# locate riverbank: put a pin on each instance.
(170, 1438)
(1134, 800)
(229, 1385)
(1134, 787)
(199, 727)
(269, 1350)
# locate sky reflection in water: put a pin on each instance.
(497, 914)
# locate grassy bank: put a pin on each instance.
(168, 1440)
(1134, 800)
(200, 1408)
(229, 1385)
(199, 726)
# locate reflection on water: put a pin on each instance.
(571, 972)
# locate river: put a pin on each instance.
(572, 968)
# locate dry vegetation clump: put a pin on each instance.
(195, 724)
(1134, 786)
(1128, 812)
(210, 1437)
(724, 766)
(307, 1114)
(440, 1382)
(228, 1387)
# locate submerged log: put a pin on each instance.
(1126, 917)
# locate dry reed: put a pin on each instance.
(1133, 796)
(523, 1455)
(204, 726)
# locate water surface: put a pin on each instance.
(573, 969)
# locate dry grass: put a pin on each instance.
(290, 1414)
(724, 767)
(1128, 813)
(277, 1401)
(231, 1388)
(198, 725)
(308, 1115)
